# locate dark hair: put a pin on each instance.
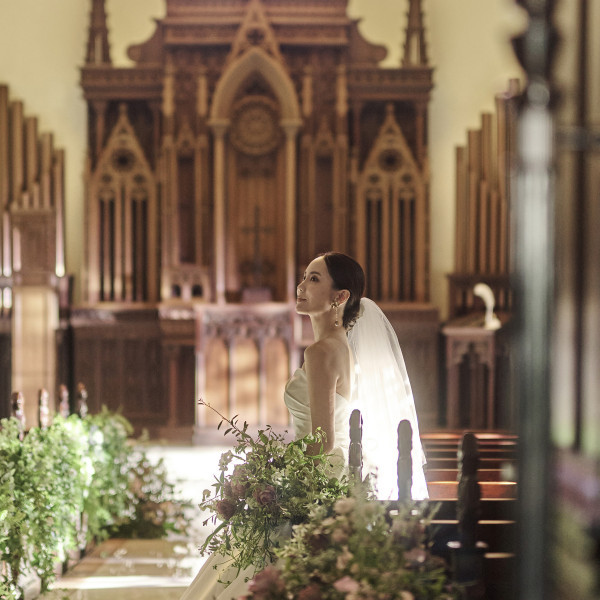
(347, 274)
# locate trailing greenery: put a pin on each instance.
(77, 481)
(264, 487)
(153, 508)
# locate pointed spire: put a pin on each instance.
(98, 50)
(415, 49)
(255, 31)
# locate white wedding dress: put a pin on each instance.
(383, 395)
(207, 584)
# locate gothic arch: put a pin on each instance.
(255, 60)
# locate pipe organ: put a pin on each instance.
(32, 255)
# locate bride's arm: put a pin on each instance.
(322, 377)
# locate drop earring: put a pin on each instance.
(335, 306)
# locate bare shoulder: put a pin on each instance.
(325, 353)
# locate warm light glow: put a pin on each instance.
(115, 582)
(7, 297)
(60, 270)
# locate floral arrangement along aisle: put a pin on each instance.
(356, 551)
(265, 486)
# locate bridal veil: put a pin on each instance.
(384, 397)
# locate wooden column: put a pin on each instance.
(219, 128)
(533, 282)
(290, 127)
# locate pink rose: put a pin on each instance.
(227, 491)
(238, 490)
(265, 495)
(267, 584)
(239, 481)
(343, 506)
(346, 584)
(339, 536)
(225, 509)
(310, 592)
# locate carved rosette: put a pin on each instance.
(255, 126)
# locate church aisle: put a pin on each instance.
(121, 569)
(130, 569)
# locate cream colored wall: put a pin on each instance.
(42, 46)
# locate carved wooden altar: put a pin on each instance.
(249, 136)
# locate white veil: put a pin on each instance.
(384, 397)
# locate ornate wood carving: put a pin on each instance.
(246, 126)
(123, 220)
(469, 492)
(405, 472)
(82, 400)
(43, 409)
(391, 218)
(64, 408)
(18, 411)
(355, 461)
(213, 54)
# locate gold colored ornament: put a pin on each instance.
(335, 306)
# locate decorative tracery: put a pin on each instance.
(391, 218)
(122, 201)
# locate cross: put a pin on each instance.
(256, 230)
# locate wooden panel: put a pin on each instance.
(118, 358)
(417, 328)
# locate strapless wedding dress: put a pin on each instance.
(298, 403)
(207, 584)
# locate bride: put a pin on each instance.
(354, 362)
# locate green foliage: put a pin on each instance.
(271, 486)
(76, 481)
(154, 508)
(108, 450)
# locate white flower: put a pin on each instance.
(343, 506)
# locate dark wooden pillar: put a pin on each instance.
(533, 284)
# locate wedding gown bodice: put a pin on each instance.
(298, 403)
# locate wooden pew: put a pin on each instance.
(485, 568)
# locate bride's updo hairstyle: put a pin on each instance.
(347, 274)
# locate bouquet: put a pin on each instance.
(355, 550)
(265, 486)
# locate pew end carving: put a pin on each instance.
(355, 449)
(43, 409)
(17, 410)
(82, 400)
(405, 472)
(64, 409)
(467, 553)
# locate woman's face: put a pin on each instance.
(315, 292)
